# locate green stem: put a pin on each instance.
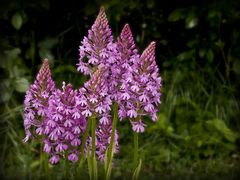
(82, 146)
(66, 164)
(46, 167)
(135, 150)
(111, 146)
(85, 135)
(94, 162)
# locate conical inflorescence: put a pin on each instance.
(36, 100)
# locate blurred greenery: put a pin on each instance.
(197, 135)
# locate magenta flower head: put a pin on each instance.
(97, 48)
(36, 100)
(96, 102)
(140, 92)
(126, 55)
(94, 97)
(127, 48)
(64, 125)
(129, 54)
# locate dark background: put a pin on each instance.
(198, 53)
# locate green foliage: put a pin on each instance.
(197, 132)
(17, 20)
(137, 170)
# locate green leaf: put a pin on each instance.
(17, 20)
(35, 164)
(202, 53)
(109, 158)
(199, 143)
(169, 130)
(208, 152)
(95, 166)
(89, 160)
(222, 127)
(4, 88)
(210, 55)
(220, 44)
(137, 170)
(219, 124)
(191, 21)
(230, 135)
(186, 55)
(81, 163)
(47, 43)
(236, 67)
(106, 160)
(9, 58)
(21, 84)
(161, 123)
(176, 15)
(164, 155)
(46, 53)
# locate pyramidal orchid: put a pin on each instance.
(140, 92)
(36, 101)
(96, 48)
(96, 102)
(149, 82)
(64, 125)
(94, 98)
(127, 48)
(128, 55)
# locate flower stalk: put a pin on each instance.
(135, 149)
(94, 162)
(45, 165)
(66, 165)
(84, 139)
(112, 145)
(82, 147)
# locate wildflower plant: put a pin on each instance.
(123, 85)
(36, 102)
(97, 47)
(141, 95)
(65, 125)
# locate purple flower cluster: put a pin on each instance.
(36, 100)
(64, 125)
(54, 116)
(96, 102)
(94, 98)
(97, 50)
(140, 92)
(58, 117)
(132, 80)
(99, 58)
(98, 47)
